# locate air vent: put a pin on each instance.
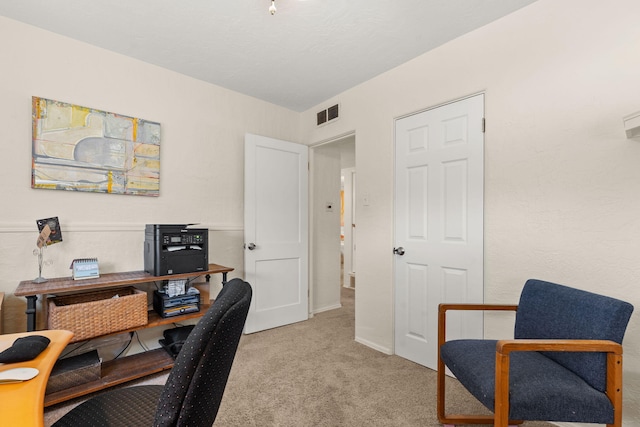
(329, 114)
(322, 117)
(332, 112)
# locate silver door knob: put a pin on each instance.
(251, 246)
(398, 251)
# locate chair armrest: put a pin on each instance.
(442, 315)
(505, 347)
(601, 346)
(500, 307)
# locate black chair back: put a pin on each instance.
(193, 392)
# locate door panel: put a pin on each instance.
(418, 291)
(439, 224)
(276, 231)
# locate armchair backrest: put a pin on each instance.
(551, 311)
(193, 391)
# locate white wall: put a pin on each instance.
(325, 228)
(202, 127)
(562, 199)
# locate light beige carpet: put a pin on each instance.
(313, 373)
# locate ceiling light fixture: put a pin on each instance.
(272, 8)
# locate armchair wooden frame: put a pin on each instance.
(503, 352)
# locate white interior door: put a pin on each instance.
(276, 232)
(439, 190)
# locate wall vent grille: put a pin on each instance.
(325, 116)
(332, 112)
(322, 117)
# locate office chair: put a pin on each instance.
(193, 391)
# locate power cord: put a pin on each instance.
(144, 347)
(74, 349)
(126, 346)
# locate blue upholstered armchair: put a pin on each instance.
(565, 363)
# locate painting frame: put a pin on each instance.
(76, 148)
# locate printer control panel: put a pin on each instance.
(183, 239)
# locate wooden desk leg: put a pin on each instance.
(31, 312)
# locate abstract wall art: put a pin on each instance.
(83, 149)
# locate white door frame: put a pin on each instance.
(349, 223)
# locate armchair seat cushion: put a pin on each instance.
(540, 388)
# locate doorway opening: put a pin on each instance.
(332, 222)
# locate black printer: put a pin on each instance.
(175, 248)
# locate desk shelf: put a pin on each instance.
(115, 372)
(129, 368)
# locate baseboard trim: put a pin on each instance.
(331, 307)
(374, 346)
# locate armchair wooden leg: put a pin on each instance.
(614, 386)
(502, 391)
(440, 390)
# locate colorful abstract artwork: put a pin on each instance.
(82, 149)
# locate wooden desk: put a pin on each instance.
(31, 290)
(22, 404)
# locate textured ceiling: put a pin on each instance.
(306, 53)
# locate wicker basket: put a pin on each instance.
(98, 313)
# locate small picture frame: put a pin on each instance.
(55, 234)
